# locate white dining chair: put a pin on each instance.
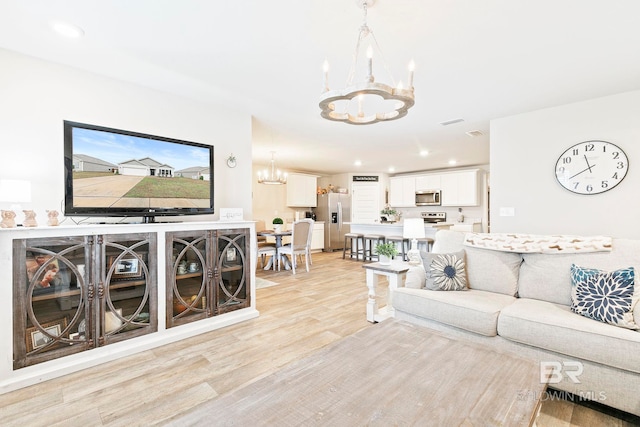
(309, 242)
(300, 243)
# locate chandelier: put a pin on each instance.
(396, 99)
(272, 176)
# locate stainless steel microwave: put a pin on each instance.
(428, 198)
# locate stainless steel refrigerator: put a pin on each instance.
(335, 210)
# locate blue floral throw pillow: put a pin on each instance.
(445, 272)
(607, 296)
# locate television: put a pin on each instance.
(118, 173)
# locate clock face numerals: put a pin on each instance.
(592, 167)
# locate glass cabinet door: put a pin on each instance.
(127, 288)
(53, 297)
(232, 263)
(76, 293)
(188, 277)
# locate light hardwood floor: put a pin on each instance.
(302, 314)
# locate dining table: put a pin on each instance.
(278, 235)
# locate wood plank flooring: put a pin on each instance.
(302, 314)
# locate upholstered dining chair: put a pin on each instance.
(264, 250)
(260, 227)
(300, 243)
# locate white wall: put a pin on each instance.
(36, 96)
(524, 151)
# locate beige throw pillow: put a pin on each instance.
(445, 272)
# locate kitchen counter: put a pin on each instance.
(395, 228)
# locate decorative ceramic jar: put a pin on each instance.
(29, 219)
(8, 219)
(53, 218)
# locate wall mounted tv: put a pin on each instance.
(113, 172)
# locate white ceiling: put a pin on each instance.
(475, 59)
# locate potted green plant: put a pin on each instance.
(277, 224)
(389, 213)
(386, 251)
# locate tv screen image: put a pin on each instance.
(113, 172)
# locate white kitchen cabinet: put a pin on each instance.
(317, 236)
(301, 191)
(428, 182)
(402, 191)
(459, 188)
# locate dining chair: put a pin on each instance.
(300, 243)
(260, 227)
(309, 242)
(263, 250)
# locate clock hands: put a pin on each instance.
(584, 170)
(587, 161)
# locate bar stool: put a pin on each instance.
(349, 238)
(404, 244)
(370, 242)
(426, 243)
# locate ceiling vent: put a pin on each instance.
(473, 133)
(450, 122)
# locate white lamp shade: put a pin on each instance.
(15, 190)
(413, 228)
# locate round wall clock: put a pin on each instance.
(592, 167)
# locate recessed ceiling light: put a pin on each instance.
(424, 153)
(452, 121)
(452, 162)
(67, 30)
(392, 169)
(357, 163)
(473, 133)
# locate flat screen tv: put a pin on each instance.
(113, 172)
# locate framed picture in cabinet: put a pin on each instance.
(49, 277)
(36, 338)
(127, 268)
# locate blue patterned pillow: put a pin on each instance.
(607, 296)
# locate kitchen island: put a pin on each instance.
(395, 228)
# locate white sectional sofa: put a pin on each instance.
(520, 302)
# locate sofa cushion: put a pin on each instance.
(445, 272)
(547, 277)
(556, 328)
(448, 241)
(416, 277)
(487, 270)
(606, 296)
(475, 311)
(493, 271)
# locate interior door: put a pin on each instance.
(365, 202)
